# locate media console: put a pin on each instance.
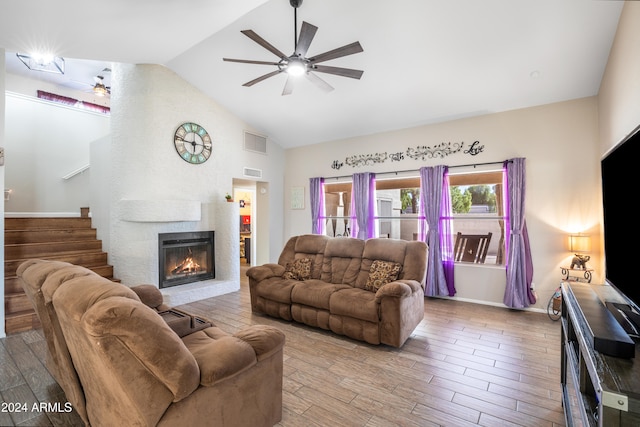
(598, 389)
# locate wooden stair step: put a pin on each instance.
(85, 259)
(46, 223)
(67, 239)
(12, 283)
(40, 250)
(16, 303)
(48, 235)
(20, 322)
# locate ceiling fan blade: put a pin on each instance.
(307, 32)
(248, 61)
(349, 49)
(262, 42)
(319, 82)
(344, 72)
(261, 78)
(288, 86)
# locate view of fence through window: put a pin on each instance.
(476, 200)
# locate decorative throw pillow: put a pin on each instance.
(381, 273)
(299, 269)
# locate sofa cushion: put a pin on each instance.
(315, 293)
(298, 269)
(381, 273)
(342, 259)
(219, 359)
(275, 289)
(305, 246)
(356, 303)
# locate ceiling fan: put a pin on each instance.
(298, 64)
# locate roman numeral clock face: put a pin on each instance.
(193, 143)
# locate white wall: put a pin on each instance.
(44, 142)
(619, 96)
(2, 144)
(557, 140)
(148, 103)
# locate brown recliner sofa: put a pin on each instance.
(370, 290)
(120, 363)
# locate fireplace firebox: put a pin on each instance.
(185, 257)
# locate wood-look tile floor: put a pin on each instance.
(465, 365)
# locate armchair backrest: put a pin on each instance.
(310, 246)
(411, 256)
(131, 364)
(33, 274)
(342, 259)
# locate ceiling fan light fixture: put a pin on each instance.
(299, 64)
(296, 67)
(100, 90)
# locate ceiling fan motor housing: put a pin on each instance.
(295, 3)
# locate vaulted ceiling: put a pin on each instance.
(424, 61)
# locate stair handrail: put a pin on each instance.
(76, 172)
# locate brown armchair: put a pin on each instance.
(120, 363)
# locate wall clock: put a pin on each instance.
(193, 143)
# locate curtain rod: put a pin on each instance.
(416, 170)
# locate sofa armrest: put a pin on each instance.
(221, 357)
(150, 296)
(398, 288)
(263, 272)
(264, 339)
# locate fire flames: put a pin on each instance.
(187, 266)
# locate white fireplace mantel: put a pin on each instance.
(160, 210)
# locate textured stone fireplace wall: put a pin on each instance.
(151, 190)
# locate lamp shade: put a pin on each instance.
(579, 243)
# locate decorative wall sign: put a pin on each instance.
(366, 159)
(475, 149)
(297, 197)
(419, 153)
(396, 157)
(441, 150)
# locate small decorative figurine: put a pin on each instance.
(579, 262)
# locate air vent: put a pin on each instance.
(252, 173)
(253, 142)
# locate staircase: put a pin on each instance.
(70, 240)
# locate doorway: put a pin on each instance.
(245, 196)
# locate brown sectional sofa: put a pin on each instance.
(121, 364)
(337, 284)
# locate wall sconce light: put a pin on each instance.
(46, 63)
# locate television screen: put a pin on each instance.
(619, 198)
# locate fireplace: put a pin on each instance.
(185, 257)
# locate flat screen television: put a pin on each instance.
(621, 226)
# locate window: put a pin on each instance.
(397, 202)
(396, 208)
(337, 207)
(476, 198)
(477, 203)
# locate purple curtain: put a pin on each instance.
(519, 267)
(316, 186)
(364, 205)
(437, 230)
